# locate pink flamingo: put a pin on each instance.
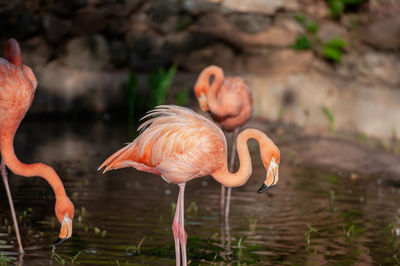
(230, 103)
(180, 145)
(17, 89)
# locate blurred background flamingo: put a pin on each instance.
(17, 89)
(229, 101)
(181, 145)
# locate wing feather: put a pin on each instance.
(174, 140)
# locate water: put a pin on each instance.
(124, 217)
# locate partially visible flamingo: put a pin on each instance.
(17, 89)
(180, 145)
(229, 101)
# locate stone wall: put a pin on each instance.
(82, 52)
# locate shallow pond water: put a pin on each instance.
(124, 217)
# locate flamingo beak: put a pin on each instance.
(272, 177)
(203, 102)
(65, 232)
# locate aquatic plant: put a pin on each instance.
(192, 209)
(4, 260)
(307, 236)
(66, 260)
(135, 249)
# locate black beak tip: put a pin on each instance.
(59, 241)
(263, 188)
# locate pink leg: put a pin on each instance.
(182, 233)
(231, 169)
(10, 201)
(222, 200)
(175, 230)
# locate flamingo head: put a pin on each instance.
(201, 91)
(271, 163)
(65, 213)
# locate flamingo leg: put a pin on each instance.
(222, 200)
(231, 169)
(182, 233)
(175, 230)
(10, 201)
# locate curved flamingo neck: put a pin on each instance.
(12, 52)
(267, 148)
(28, 170)
(213, 90)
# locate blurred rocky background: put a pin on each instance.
(331, 65)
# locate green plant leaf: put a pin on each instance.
(331, 119)
(336, 42)
(302, 43)
(300, 18)
(312, 27)
(332, 53)
(336, 7)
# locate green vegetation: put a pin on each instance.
(4, 260)
(181, 97)
(159, 83)
(131, 91)
(331, 50)
(135, 249)
(338, 7)
(192, 209)
(302, 43)
(183, 22)
(307, 235)
(331, 119)
(66, 260)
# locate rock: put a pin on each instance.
(328, 30)
(281, 61)
(318, 9)
(119, 53)
(89, 52)
(89, 20)
(36, 52)
(56, 29)
(185, 41)
(250, 23)
(266, 7)
(217, 54)
(299, 98)
(290, 23)
(383, 33)
(196, 7)
(65, 89)
(371, 67)
(219, 27)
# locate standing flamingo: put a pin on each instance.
(180, 145)
(17, 89)
(230, 103)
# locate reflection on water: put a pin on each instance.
(311, 217)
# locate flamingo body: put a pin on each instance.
(180, 145)
(17, 88)
(228, 99)
(177, 144)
